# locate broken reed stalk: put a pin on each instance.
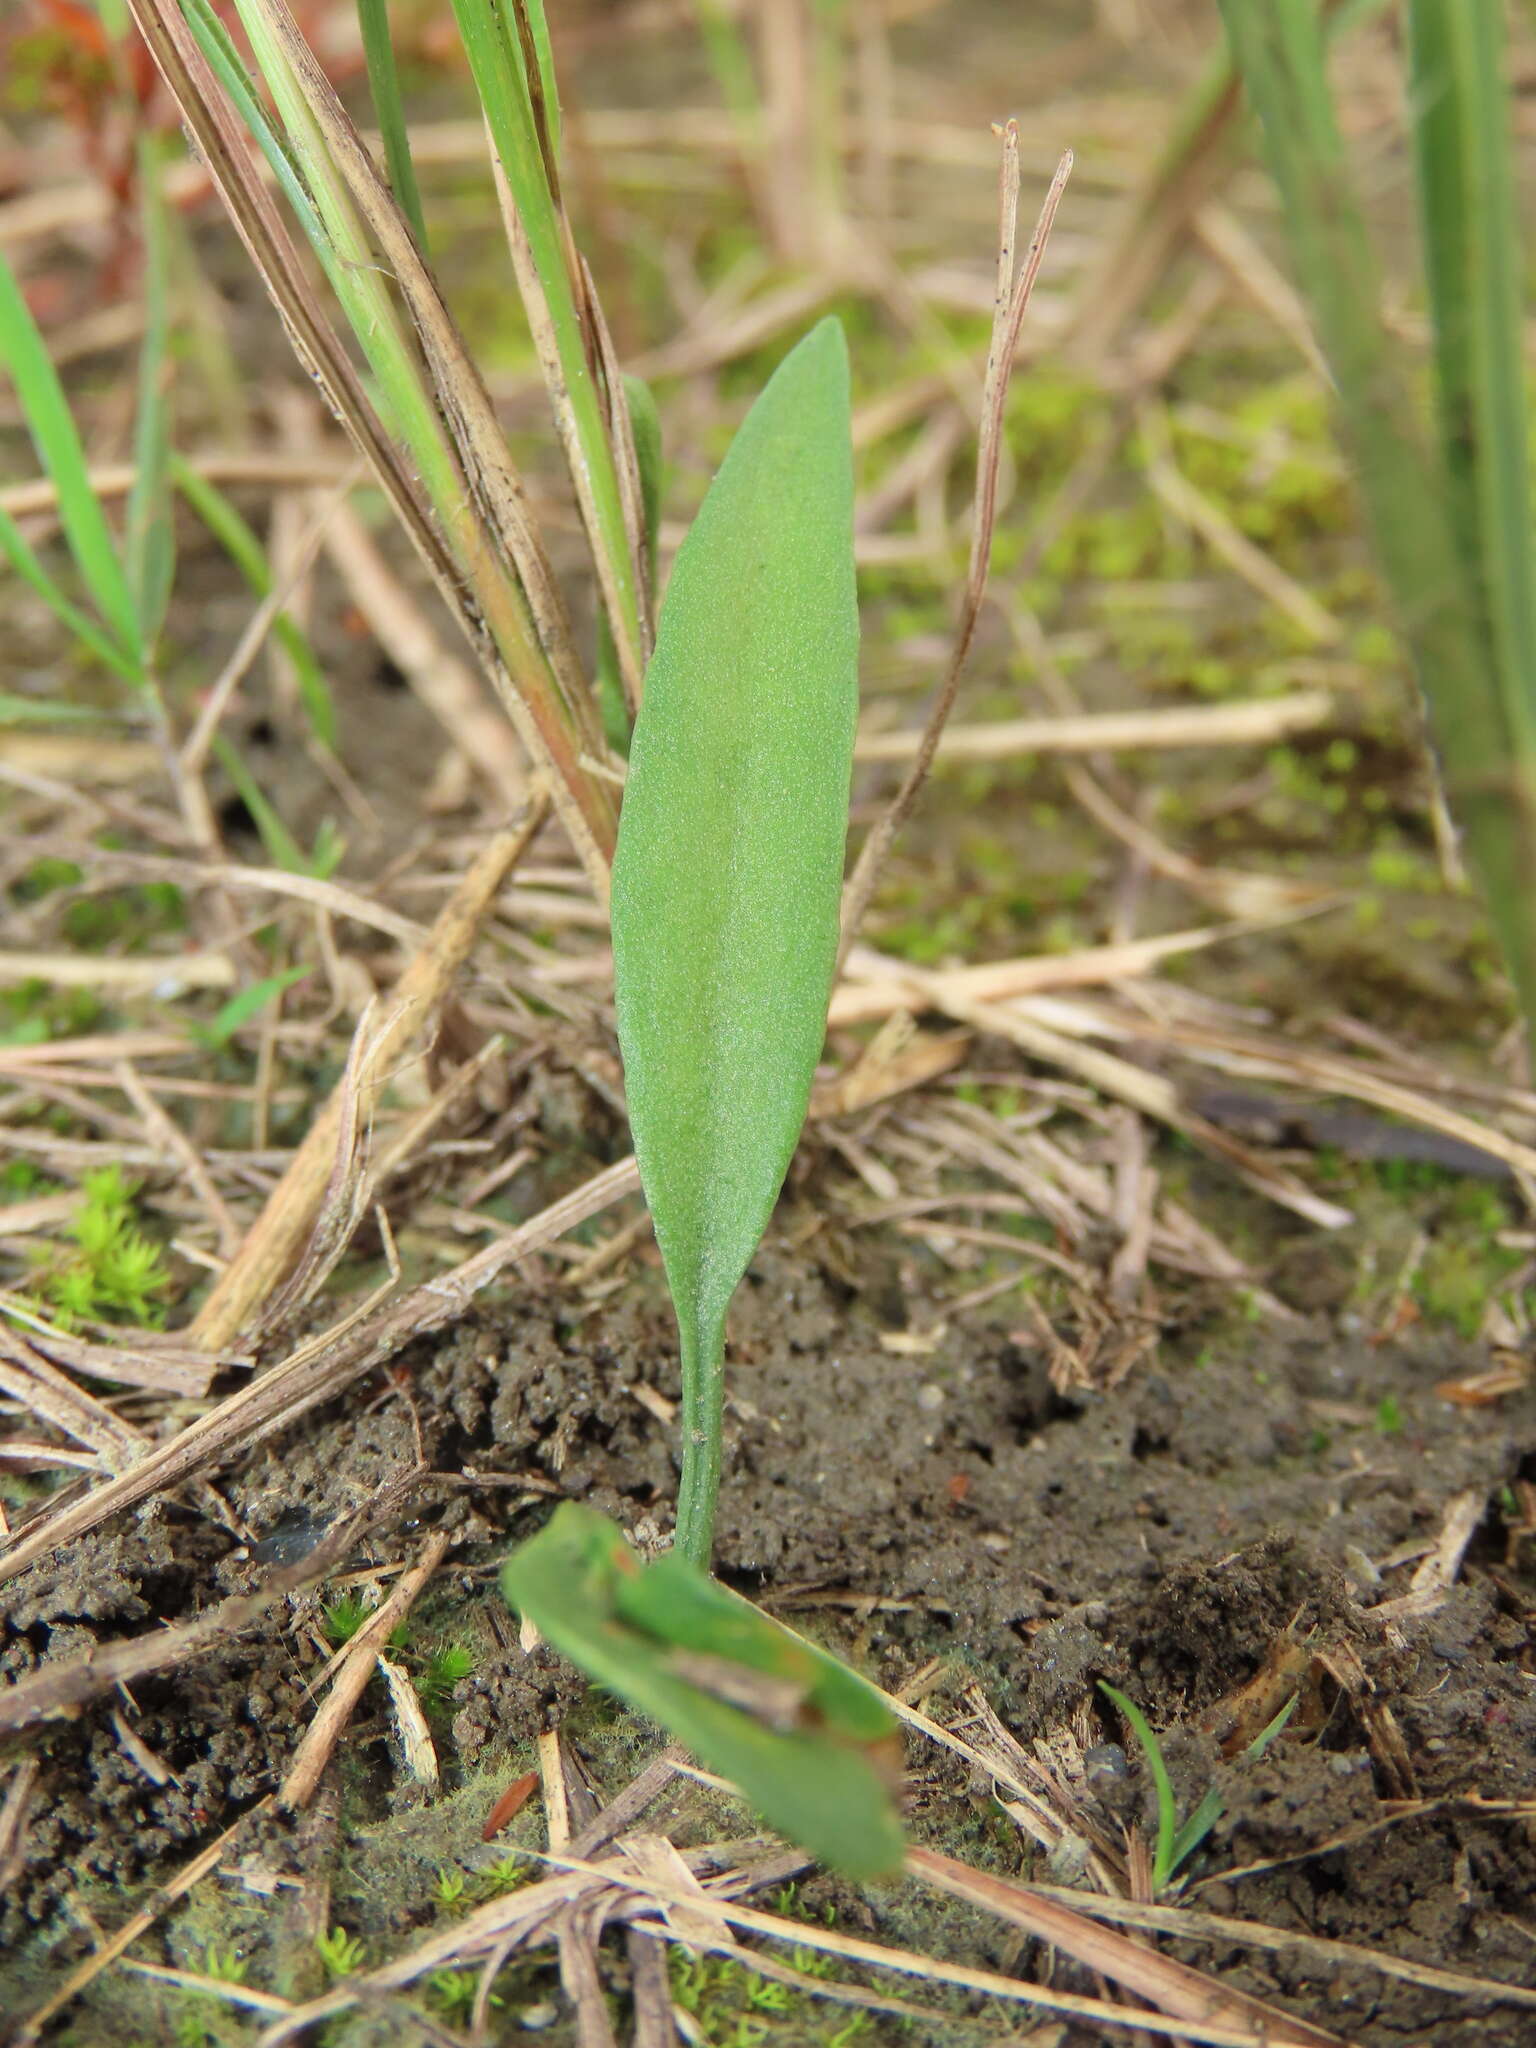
(275, 1240)
(1013, 295)
(439, 494)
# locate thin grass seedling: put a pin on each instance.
(1178, 1840)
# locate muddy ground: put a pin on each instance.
(1239, 1494)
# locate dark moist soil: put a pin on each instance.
(1164, 1536)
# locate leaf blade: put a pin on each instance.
(730, 854)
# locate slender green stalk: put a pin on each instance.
(150, 539)
(384, 85)
(701, 1360)
(507, 52)
(1472, 246)
(1450, 527)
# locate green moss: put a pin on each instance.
(1464, 1266)
(114, 1273)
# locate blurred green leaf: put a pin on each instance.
(242, 1008)
(384, 85)
(54, 435)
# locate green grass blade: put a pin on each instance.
(235, 536)
(16, 710)
(730, 859)
(1489, 773)
(513, 91)
(544, 70)
(698, 1660)
(54, 435)
(1473, 251)
(21, 555)
(384, 85)
(282, 849)
(1167, 1811)
(730, 58)
(645, 425)
(1205, 1816)
(241, 1009)
(149, 546)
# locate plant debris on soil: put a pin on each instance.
(1149, 1304)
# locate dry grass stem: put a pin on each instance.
(1012, 302)
(274, 1241)
(1263, 722)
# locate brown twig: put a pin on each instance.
(1013, 295)
(357, 1665)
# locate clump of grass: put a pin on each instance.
(115, 1273)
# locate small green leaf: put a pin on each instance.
(249, 1003)
(1167, 1812)
(688, 1653)
(730, 859)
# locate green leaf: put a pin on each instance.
(54, 435)
(688, 1653)
(730, 859)
(249, 1003)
